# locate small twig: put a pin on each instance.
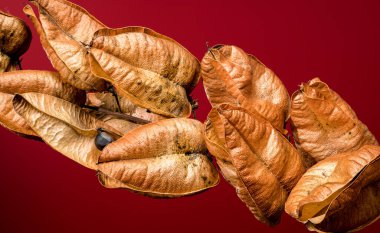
(120, 115)
(111, 89)
(209, 49)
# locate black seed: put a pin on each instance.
(103, 139)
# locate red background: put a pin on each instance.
(42, 191)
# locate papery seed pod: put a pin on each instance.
(153, 71)
(15, 36)
(64, 126)
(19, 82)
(324, 124)
(65, 31)
(234, 77)
(107, 101)
(340, 193)
(255, 158)
(166, 158)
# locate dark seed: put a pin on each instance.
(103, 139)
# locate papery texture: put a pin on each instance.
(255, 158)
(324, 124)
(234, 77)
(152, 70)
(166, 158)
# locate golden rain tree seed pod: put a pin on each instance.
(23, 81)
(166, 158)
(234, 77)
(255, 158)
(152, 70)
(65, 31)
(340, 193)
(15, 38)
(324, 124)
(64, 126)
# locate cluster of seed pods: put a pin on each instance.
(119, 104)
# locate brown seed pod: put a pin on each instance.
(153, 71)
(324, 124)
(340, 193)
(64, 126)
(19, 82)
(234, 77)
(107, 101)
(166, 158)
(15, 35)
(15, 38)
(65, 31)
(255, 158)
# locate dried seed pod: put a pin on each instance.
(107, 101)
(15, 38)
(166, 158)
(150, 69)
(63, 125)
(65, 31)
(339, 193)
(15, 35)
(255, 158)
(19, 82)
(324, 124)
(234, 77)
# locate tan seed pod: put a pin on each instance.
(340, 193)
(15, 36)
(153, 71)
(166, 158)
(64, 126)
(324, 124)
(255, 158)
(234, 77)
(65, 31)
(19, 82)
(107, 101)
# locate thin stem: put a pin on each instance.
(120, 115)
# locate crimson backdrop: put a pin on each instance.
(42, 191)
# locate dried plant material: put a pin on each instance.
(107, 101)
(324, 124)
(339, 193)
(65, 31)
(63, 125)
(152, 70)
(166, 158)
(122, 125)
(15, 35)
(15, 38)
(234, 77)
(255, 158)
(31, 81)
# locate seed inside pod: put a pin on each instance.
(103, 139)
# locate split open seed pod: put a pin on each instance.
(255, 158)
(107, 101)
(166, 158)
(324, 124)
(152, 70)
(234, 77)
(340, 193)
(15, 38)
(64, 126)
(65, 31)
(23, 81)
